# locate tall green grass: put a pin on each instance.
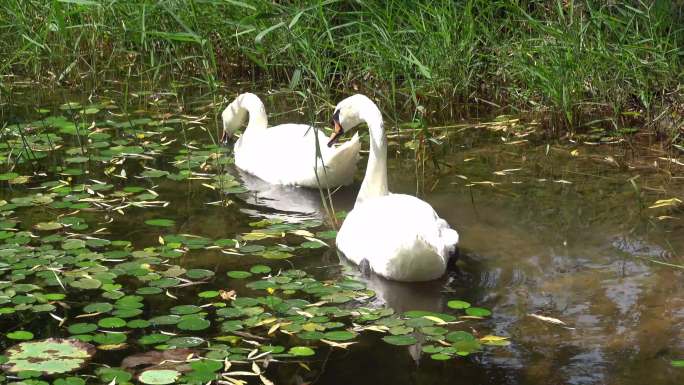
(572, 58)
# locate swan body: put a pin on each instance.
(286, 154)
(401, 236)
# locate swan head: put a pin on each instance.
(351, 112)
(235, 115)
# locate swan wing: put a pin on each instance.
(400, 235)
(286, 154)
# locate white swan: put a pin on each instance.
(286, 154)
(400, 236)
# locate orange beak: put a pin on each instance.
(337, 132)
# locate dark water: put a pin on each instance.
(543, 231)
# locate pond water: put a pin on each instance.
(550, 228)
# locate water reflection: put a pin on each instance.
(277, 202)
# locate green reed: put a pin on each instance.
(574, 59)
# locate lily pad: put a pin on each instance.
(160, 222)
(159, 377)
(48, 226)
(458, 304)
(478, 312)
(236, 274)
(301, 351)
(49, 356)
(400, 340)
(20, 335)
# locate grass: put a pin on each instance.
(575, 60)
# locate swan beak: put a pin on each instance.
(225, 137)
(337, 132)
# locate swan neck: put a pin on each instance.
(375, 181)
(258, 120)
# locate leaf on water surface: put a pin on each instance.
(551, 320)
(236, 274)
(678, 363)
(20, 335)
(159, 376)
(260, 269)
(160, 222)
(666, 203)
(301, 351)
(400, 340)
(193, 323)
(478, 312)
(49, 356)
(458, 304)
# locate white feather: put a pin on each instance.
(286, 154)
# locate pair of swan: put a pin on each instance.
(399, 237)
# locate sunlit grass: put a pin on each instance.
(571, 58)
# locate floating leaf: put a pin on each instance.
(260, 269)
(677, 363)
(239, 274)
(47, 226)
(159, 377)
(478, 312)
(82, 328)
(193, 323)
(185, 309)
(160, 222)
(49, 356)
(20, 335)
(301, 351)
(458, 304)
(111, 322)
(199, 273)
(341, 335)
(400, 340)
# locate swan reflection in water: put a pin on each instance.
(402, 296)
(287, 203)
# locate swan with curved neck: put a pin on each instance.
(400, 236)
(286, 154)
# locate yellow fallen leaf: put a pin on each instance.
(665, 203)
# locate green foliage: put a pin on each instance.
(569, 57)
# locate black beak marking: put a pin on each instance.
(337, 129)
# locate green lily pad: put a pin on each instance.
(193, 323)
(301, 351)
(199, 273)
(49, 356)
(159, 377)
(260, 269)
(82, 328)
(458, 304)
(111, 322)
(98, 307)
(339, 335)
(400, 340)
(160, 222)
(235, 274)
(185, 309)
(20, 335)
(478, 312)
